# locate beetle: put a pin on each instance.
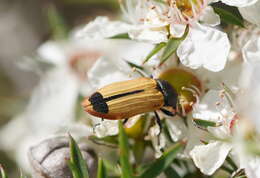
(122, 100)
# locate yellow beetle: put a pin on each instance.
(122, 100)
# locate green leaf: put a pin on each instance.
(112, 167)
(231, 163)
(127, 171)
(227, 169)
(74, 170)
(244, 176)
(161, 164)
(172, 46)
(138, 150)
(170, 172)
(120, 36)
(77, 163)
(101, 169)
(205, 123)
(2, 172)
(155, 50)
(57, 24)
(110, 141)
(229, 17)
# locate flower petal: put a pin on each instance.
(208, 158)
(251, 13)
(204, 46)
(52, 52)
(158, 139)
(251, 51)
(102, 28)
(239, 3)
(149, 35)
(177, 30)
(106, 128)
(209, 17)
(104, 72)
(177, 129)
(252, 167)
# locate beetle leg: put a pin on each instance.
(125, 121)
(158, 121)
(168, 113)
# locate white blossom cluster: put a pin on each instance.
(224, 60)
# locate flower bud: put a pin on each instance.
(49, 158)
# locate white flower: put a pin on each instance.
(204, 46)
(102, 28)
(213, 107)
(158, 21)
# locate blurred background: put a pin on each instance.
(24, 26)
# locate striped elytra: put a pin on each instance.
(121, 100)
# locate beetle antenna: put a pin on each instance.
(141, 72)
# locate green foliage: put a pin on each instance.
(170, 48)
(161, 164)
(170, 172)
(101, 169)
(109, 141)
(205, 123)
(120, 36)
(172, 45)
(76, 163)
(127, 170)
(154, 51)
(229, 16)
(57, 24)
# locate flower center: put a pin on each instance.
(186, 10)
